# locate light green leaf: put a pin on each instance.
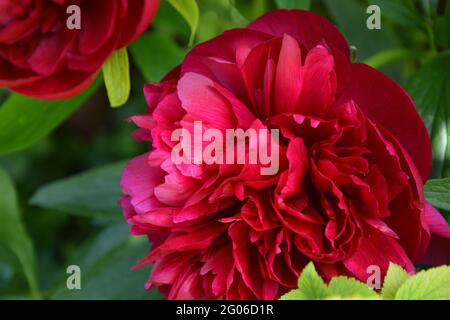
(24, 121)
(116, 72)
(294, 295)
(156, 55)
(93, 193)
(394, 279)
(106, 268)
(430, 89)
(13, 234)
(437, 192)
(432, 284)
(310, 286)
(293, 4)
(350, 287)
(190, 12)
(386, 57)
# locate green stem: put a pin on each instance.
(431, 37)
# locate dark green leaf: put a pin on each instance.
(156, 55)
(294, 4)
(106, 268)
(13, 234)
(93, 193)
(400, 11)
(430, 89)
(447, 22)
(437, 192)
(24, 121)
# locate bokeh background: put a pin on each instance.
(62, 161)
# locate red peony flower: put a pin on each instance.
(42, 57)
(353, 156)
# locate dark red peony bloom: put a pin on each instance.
(354, 155)
(41, 57)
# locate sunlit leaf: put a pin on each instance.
(394, 279)
(432, 284)
(116, 72)
(189, 10)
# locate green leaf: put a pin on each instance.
(394, 279)
(116, 72)
(400, 11)
(13, 234)
(106, 268)
(155, 55)
(386, 57)
(190, 12)
(310, 286)
(293, 4)
(91, 193)
(349, 287)
(432, 284)
(430, 89)
(24, 121)
(437, 192)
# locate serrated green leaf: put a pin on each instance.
(106, 264)
(155, 55)
(394, 279)
(93, 193)
(437, 192)
(349, 287)
(432, 284)
(116, 72)
(310, 286)
(430, 89)
(25, 121)
(190, 12)
(13, 234)
(294, 295)
(293, 4)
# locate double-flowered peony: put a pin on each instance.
(353, 157)
(44, 54)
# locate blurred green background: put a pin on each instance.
(62, 161)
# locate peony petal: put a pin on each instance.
(377, 249)
(306, 27)
(139, 14)
(288, 78)
(385, 102)
(319, 82)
